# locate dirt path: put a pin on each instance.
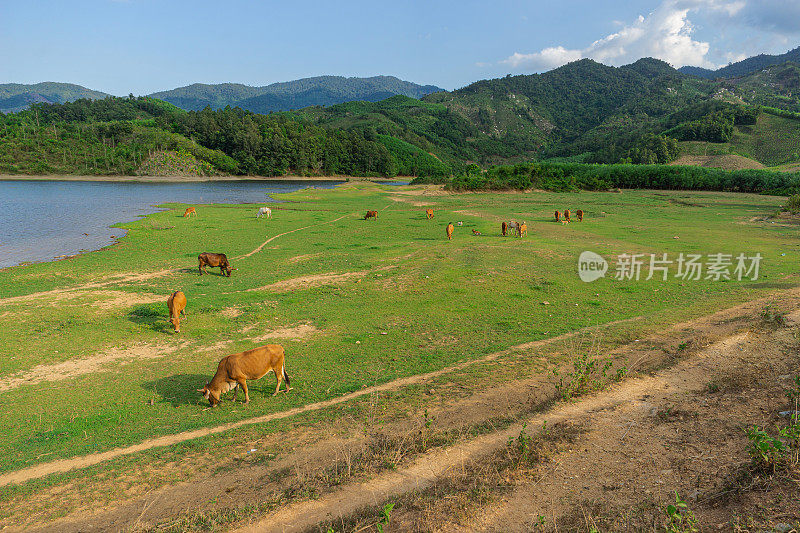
(263, 244)
(426, 469)
(65, 465)
(619, 408)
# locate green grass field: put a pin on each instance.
(404, 301)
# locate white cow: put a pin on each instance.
(264, 211)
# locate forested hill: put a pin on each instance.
(17, 96)
(583, 112)
(529, 116)
(745, 66)
(321, 90)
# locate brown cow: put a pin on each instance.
(177, 305)
(579, 214)
(429, 213)
(189, 212)
(558, 216)
(504, 228)
(567, 216)
(371, 214)
(234, 370)
(450, 231)
(214, 260)
(523, 229)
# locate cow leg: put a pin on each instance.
(243, 384)
(279, 377)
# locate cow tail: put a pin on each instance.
(285, 375)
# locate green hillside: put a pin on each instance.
(772, 141)
(17, 96)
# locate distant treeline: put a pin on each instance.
(576, 176)
(117, 135)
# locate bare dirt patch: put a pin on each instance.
(727, 162)
(231, 312)
(79, 367)
(306, 282)
(297, 332)
(109, 300)
(304, 257)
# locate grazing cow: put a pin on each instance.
(504, 228)
(523, 229)
(450, 231)
(558, 216)
(177, 305)
(516, 228)
(567, 216)
(579, 214)
(234, 370)
(264, 211)
(476, 232)
(214, 260)
(189, 212)
(371, 214)
(429, 213)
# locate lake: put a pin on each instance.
(42, 220)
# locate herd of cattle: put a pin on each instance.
(234, 370)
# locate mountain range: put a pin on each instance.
(17, 96)
(743, 67)
(320, 90)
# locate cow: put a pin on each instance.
(371, 214)
(516, 228)
(264, 211)
(449, 231)
(523, 229)
(214, 260)
(429, 213)
(177, 305)
(558, 216)
(234, 370)
(567, 216)
(189, 212)
(504, 228)
(476, 232)
(579, 214)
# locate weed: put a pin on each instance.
(587, 375)
(771, 454)
(773, 318)
(680, 519)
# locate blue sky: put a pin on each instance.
(142, 46)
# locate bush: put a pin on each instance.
(793, 205)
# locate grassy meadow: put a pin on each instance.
(354, 302)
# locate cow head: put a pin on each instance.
(228, 269)
(176, 322)
(211, 395)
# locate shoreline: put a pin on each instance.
(194, 179)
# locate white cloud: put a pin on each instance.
(547, 58)
(666, 33)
